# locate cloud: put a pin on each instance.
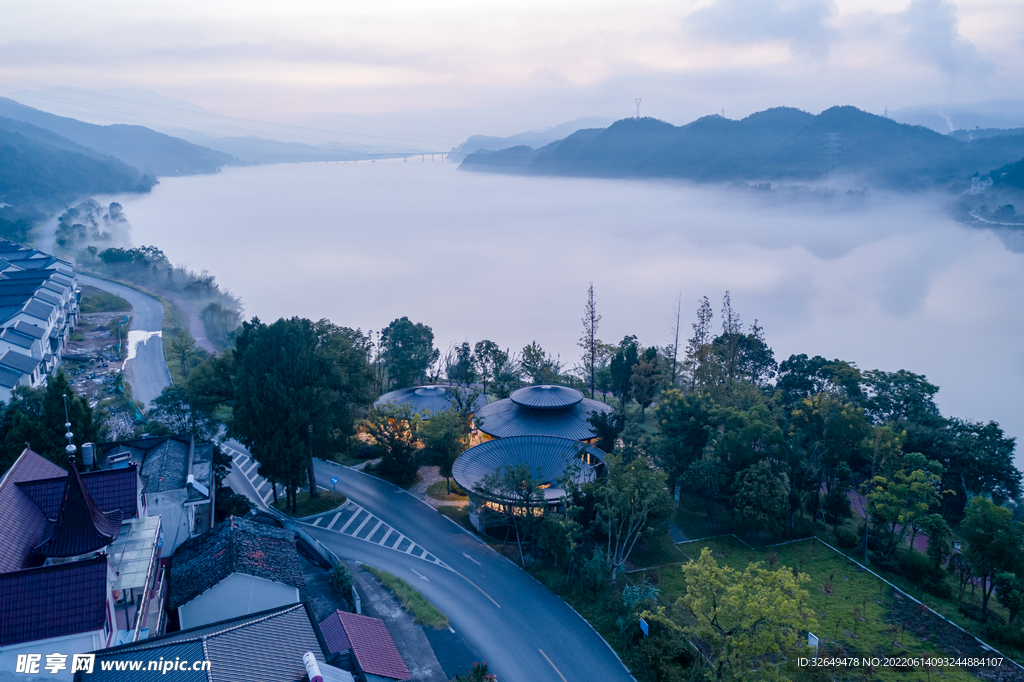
(932, 35)
(802, 24)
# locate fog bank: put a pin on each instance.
(889, 284)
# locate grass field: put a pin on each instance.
(885, 623)
(98, 301)
(307, 507)
(424, 613)
(439, 491)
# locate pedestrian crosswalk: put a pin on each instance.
(249, 468)
(354, 521)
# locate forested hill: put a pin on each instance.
(152, 153)
(774, 145)
(40, 170)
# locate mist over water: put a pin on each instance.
(891, 284)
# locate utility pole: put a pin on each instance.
(638, 107)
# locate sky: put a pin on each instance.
(522, 64)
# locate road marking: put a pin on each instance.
(334, 521)
(386, 536)
(370, 534)
(477, 587)
(351, 519)
(420, 574)
(365, 521)
(257, 488)
(450, 630)
(270, 493)
(412, 546)
(552, 665)
(318, 520)
(471, 559)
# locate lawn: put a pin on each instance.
(98, 301)
(308, 507)
(424, 613)
(439, 491)
(887, 624)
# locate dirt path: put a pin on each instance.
(195, 323)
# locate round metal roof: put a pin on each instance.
(546, 397)
(546, 456)
(505, 418)
(427, 399)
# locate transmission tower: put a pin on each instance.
(832, 147)
(638, 107)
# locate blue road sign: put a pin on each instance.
(643, 626)
(334, 480)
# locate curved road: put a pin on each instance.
(147, 371)
(516, 624)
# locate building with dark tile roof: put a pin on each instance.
(79, 526)
(369, 644)
(73, 577)
(237, 568)
(41, 292)
(177, 481)
(62, 600)
(261, 647)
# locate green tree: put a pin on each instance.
(684, 425)
(409, 351)
(563, 537)
(539, 367)
(993, 543)
(631, 498)
(184, 349)
(395, 430)
(698, 348)
(748, 621)
(589, 341)
(645, 379)
(459, 366)
(489, 360)
(1010, 591)
(295, 386)
(177, 410)
(761, 499)
(446, 433)
(706, 478)
(622, 366)
(897, 503)
(939, 540)
(35, 417)
(517, 500)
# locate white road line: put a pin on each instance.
(412, 546)
(365, 521)
(353, 518)
(370, 534)
(255, 465)
(386, 535)
(334, 521)
(270, 493)
(471, 558)
(420, 574)
(424, 553)
(317, 522)
(261, 485)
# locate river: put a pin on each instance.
(890, 284)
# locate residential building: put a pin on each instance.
(79, 560)
(38, 300)
(269, 646)
(238, 568)
(177, 481)
(365, 645)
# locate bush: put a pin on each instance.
(341, 581)
(232, 505)
(995, 631)
(937, 587)
(846, 539)
(914, 565)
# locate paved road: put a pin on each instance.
(520, 628)
(147, 371)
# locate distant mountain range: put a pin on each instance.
(47, 160)
(533, 138)
(781, 144)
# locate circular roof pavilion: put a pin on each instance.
(547, 457)
(556, 411)
(427, 399)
